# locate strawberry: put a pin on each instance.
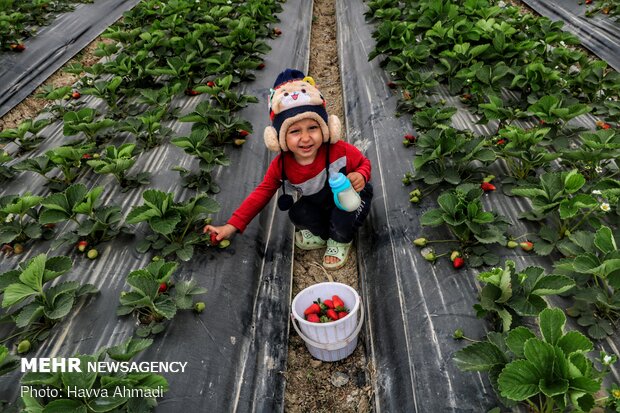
(49, 226)
(92, 254)
(391, 85)
(313, 309)
(458, 262)
(414, 199)
(542, 122)
(223, 244)
(81, 245)
(526, 245)
(332, 314)
(487, 187)
(420, 242)
(430, 256)
(18, 47)
(260, 66)
(76, 94)
(211, 83)
(213, 238)
(466, 96)
(237, 143)
(603, 125)
(18, 248)
(454, 255)
(163, 287)
(501, 142)
(512, 244)
(313, 318)
(191, 92)
(338, 303)
(199, 307)
(410, 138)
(329, 304)
(243, 133)
(87, 156)
(277, 31)
(23, 346)
(342, 314)
(588, 1)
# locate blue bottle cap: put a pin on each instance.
(337, 180)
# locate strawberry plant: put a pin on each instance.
(510, 295)
(198, 144)
(18, 219)
(84, 120)
(548, 374)
(433, 117)
(557, 202)
(556, 111)
(92, 221)
(8, 362)
(43, 307)
(6, 170)
(176, 226)
(461, 211)
(107, 91)
(449, 155)
(25, 135)
(117, 161)
(104, 392)
(153, 298)
(221, 127)
(596, 153)
(225, 98)
(147, 128)
(594, 263)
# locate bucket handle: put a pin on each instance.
(331, 346)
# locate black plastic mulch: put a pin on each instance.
(599, 33)
(53, 46)
(237, 348)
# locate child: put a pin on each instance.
(310, 150)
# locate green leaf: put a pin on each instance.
(15, 293)
(126, 350)
(28, 314)
(519, 380)
(604, 240)
(516, 340)
(32, 275)
(65, 406)
(81, 380)
(166, 224)
(432, 218)
(448, 202)
(479, 357)
(574, 341)
(553, 388)
(552, 322)
(185, 253)
(165, 307)
(573, 181)
(106, 404)
(61, 307)
(541, 355)
(586, 263)
(552, 284)
(585, 384)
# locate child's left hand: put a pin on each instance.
(357, 181)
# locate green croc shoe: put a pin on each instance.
(339, 250)
(306, 240)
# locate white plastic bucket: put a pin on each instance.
(329, 341)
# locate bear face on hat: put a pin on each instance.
(294, 97)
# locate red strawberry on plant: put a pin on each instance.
(260, 66)
(313, 309)
(243, 133)
(332, 314)
(487, 187)
(191, 92)
(342, 314)
(18, 47)
(313, 318)
(458, 262)
(163, 287)
(329, 304)
(338, 303)
(211, 83)
(603, 125)
(277, 31)
(391, 85)
(81, 245)
(75, 94)
(87, 156)
(526, 245)
(409, 137)
(213, 239)
(501, 142)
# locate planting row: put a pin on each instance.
(519, 76)
(19, 20)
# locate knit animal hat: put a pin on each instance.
(294, 97)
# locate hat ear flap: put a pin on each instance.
(335, 129)
(271, 139)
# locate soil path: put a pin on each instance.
(312, 385)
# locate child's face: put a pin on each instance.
(304, 138)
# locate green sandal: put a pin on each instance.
(306, 240)
(339, 250)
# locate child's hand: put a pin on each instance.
(357, 181)
(222, 232)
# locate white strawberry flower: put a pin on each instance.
(9, 218)
(598, 170)
(605, 207)
(596, 192)
(607, 359)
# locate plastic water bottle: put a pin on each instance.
(345, 197)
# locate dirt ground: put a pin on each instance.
(312, 385)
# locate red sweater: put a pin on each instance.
(305, 179)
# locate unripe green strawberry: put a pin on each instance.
(199, 307)
(512, 244)
(415, 192)
(414, 200)
(430, 256)
(223, 243)
(92, 254)
(23, 347)
(420, 242)
(18, 249)
(458, 334)
(454, 255)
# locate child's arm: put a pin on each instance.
(360, 165)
